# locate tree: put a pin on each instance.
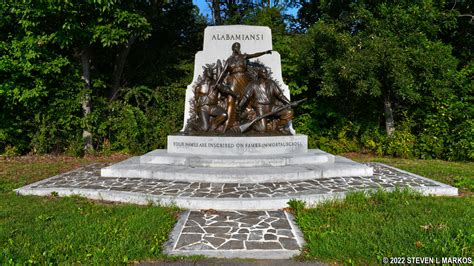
(235, 11)
(82, 28)
(167, 56)
(38, 105)
(386, 52)
(108, 24)
(461, 36)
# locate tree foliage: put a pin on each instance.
(360, 57)
(117, 70)
(389, 54)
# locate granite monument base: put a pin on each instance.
(237, 160)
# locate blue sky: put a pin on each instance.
(204, 8)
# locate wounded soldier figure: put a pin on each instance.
(211, 115)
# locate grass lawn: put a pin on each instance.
(362, 229)
(73, 230)
(457, 174)
(70, 230)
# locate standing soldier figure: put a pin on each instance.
(235, 74)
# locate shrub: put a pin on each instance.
(140, 121)
(400, 144)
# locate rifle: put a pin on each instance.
(246, 126)
(222, 70)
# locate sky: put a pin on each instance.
(206, 11)
(203, 7)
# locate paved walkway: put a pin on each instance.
(88, 177)
(87, 182)
(248, 223)
(236, 234)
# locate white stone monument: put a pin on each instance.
(236, 159)
(218, 41)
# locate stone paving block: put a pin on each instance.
(206, 238)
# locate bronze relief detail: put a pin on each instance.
(235, 97)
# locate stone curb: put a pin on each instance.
(444, 190)
(244, 254)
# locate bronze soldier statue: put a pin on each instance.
(210, 114)
(237, 78)
(265, 96)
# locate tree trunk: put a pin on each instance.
(86, 99)
(120, 61)
(216, 12)
(388, 112)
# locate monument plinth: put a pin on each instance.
(238, 146)
(237, 121)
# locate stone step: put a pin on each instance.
(87, 182)
(162, 157)
(339, 168)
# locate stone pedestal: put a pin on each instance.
(237, 160)
(237, 146)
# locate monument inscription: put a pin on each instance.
(214, 145)
(237, 37)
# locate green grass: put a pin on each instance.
(52, 230)
(20, 171)
(364, 229)
(59, 230)
(457, 174)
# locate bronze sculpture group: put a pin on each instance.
(236, 97)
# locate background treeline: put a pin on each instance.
(389, 77)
